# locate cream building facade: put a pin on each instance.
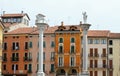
(114, 54)
(1, 42)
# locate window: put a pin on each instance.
(5, 46)
(14, 20)
(103, 41)
(52, 56)
(44, 56)
(26, 45)
(96, 41)
(52, 44)
(96, 62)
(44, 45)
(104, 73)
(95, 73)
(91, 73)
(18, 20)
(60, 40)
(4, 67)
(25, 67)
(110, 42)
(44, 67)
(30, 45)
(30, 68)
(72, 49)
(60, 49)
(110, 50)
(90, 41)
(72, 40)
(72, 60)
(52, 67)
(4, 57)
(15, 46)
(60, 63)
(15, 56)
(91, 63)
(14, 67)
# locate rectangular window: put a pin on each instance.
(15, 46)
(60, 49)
(90, 41)
(91, 63)
(30, 44)
(110, 42)
(91, 52)
(96, 41)
(72, 63)
(103, 41)
(104, 73)
(52, 56)
(52, 67)
(104, 63)
(25, 67)
(44, 67)
(96, 63)
(5, 46)
(96, 53)
(91, 73)
(72, 49)
(4, 67)
(15, 57)
(14, 67)
(52, 44)
(30, 68)
(60, 61)
(95, 73)
(44, 56)
(44, 45)
(4, 57)
(26, 45)
(110, 50)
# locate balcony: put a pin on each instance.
(29, 71)
(14, 59)
(110, 67)
(103, 55)
(97, 67)
(27, 59)
(96, 55)
(90, 56)
(60, 52)
(72, 52)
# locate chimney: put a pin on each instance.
(62, 23)
(3, 12)
(22, 12)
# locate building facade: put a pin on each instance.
(1, 43)
(68, 50)
(97, 53)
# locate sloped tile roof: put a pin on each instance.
(114, 35)
(98, 33)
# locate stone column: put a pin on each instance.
(85, 28)
(41, 26)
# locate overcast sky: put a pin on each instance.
(102, 14)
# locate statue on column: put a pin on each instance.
(84, 17)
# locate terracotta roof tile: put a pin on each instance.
(25, 30)
(114, 35)
(98, 33)
(9, 24)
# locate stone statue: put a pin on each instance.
(84, 17)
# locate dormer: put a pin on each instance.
(73, 28)
(62, 27)
(16, 18)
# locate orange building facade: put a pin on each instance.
(67, 50)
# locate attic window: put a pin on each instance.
(73, 29)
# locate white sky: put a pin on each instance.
(102, 14)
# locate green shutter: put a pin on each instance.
(52, 67)
(52, 44)
(44, 44)
(43, 67)
(30, 45)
